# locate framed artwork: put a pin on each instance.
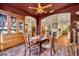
(54, 25)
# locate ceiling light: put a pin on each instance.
(40, 9)
(77, 13)
(51, 11)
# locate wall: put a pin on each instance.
(30, 20)
(57, 21)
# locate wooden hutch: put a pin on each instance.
(11, 29)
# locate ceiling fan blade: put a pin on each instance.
(47, 6)
(32, 7)
(39, 5)
(45, 11)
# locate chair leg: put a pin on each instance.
(25, 52)
(39, 51)
(29, 52)
(1, 53)
(51, 51)
(65, 51)
(40, 48)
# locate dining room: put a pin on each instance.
(39, 29)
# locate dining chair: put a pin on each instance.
(49, 44)
(74, 50)
(62, 46)
(32, 46)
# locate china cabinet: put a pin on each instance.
(11, 29)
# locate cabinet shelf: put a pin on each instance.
(21, 26)
(13, 24)
(3, 24)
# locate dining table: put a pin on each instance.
(41, 39)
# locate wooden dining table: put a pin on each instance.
(40, 39)
(35, 37)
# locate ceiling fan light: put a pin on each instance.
(45, 12)
(32, 7)
(51, 11)
(40, 9)
(77, 12)
(29, 7)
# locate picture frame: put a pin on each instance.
(54, 25)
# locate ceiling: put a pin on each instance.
(24, 7)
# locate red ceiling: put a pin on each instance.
(23, 7)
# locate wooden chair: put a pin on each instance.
(49, 44)
(31, 45)
(62, 42)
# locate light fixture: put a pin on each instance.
(77, 12)
(51, 11)
(40, 9)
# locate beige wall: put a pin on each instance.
(61, 20)
(29, 21)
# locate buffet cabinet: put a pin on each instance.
(10, 40)
(11, 29)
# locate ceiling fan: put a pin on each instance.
(40, 9)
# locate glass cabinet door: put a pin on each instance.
(13, 24)
(21, 26)
(3, 24)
